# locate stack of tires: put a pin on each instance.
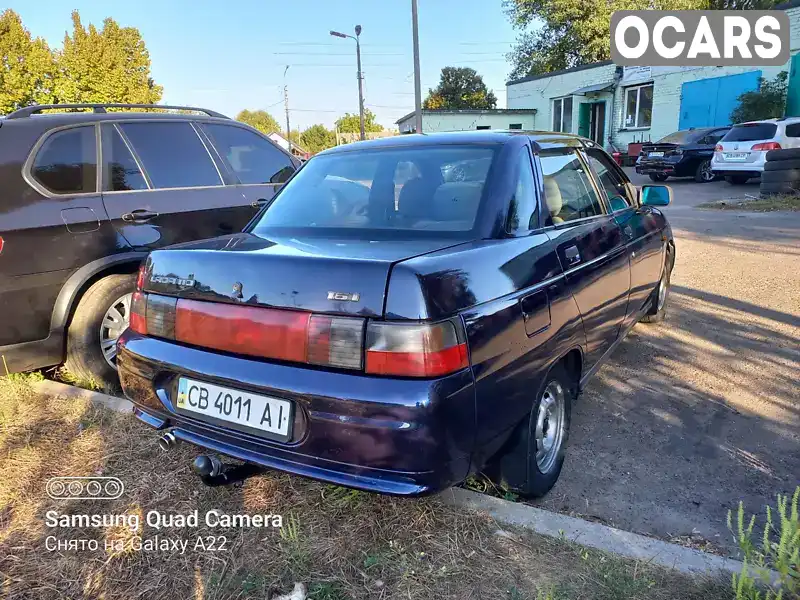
(781, 173)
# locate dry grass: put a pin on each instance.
(340, 543)
(766, 204)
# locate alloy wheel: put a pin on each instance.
(115, 321)
(706, 174)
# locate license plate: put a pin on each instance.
(241, 409)
(735, 155)
(655, 155)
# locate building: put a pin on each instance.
(464, 120)
(295, 149)
(617, 105)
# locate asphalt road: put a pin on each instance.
(695, 414)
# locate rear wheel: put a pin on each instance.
(703, 173)
(658, 176)
(530, 462)
(737, 179)
(103, 313)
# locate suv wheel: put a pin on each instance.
(737, 179)
(103, 313)
(704, 174)
(530, 462)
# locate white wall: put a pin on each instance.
(432, 123)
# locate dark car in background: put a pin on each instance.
(686, 153)
(86, 195)
(431, 329)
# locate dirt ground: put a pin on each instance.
(691, 416)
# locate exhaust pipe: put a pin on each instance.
(167, 441)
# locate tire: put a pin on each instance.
(703, 173)
(790, 176)
(779, 188)
(524, 466)
(85, 357)
(658, 177)
(658, 302)
(785, 154)
(737, 179)
(782, 165)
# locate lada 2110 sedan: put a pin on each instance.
(388, 325)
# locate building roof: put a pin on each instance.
(594, 89)
(602, 63)
(471, 111)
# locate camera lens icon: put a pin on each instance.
(85, 488)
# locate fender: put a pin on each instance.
(76, 284)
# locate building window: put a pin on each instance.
(562, 114)
(638, 106)
(479, 127)
(515, 126)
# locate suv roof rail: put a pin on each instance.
(101, 108)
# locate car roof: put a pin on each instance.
(56, 119)
(459, 137)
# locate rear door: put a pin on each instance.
(259, 166)
(590, 247)
(161, 184)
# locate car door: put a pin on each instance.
(589, 245)
(641, 231)
(161, 184)
(260, 167)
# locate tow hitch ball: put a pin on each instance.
(213, 472)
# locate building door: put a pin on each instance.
(709, 102)
(793, 98)
(592, 120)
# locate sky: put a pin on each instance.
(229, 56)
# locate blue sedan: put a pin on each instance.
(391, 325)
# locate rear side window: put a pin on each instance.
(121, 172)
(751, 132)
(172, 154)
(522, 214)
(793, 130)
(251, 157)
(67, 162)
(567, 188)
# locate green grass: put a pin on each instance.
(768, 204)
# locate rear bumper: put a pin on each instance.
(676, 169)
(393, 436)
(752, 169)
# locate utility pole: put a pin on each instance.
(286, 106)
(417, 84)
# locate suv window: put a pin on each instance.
(611, 181)
(522, 215)
(172, 154)
(793, 130)
(567, 188)
(750, 132)
(251, 157)
(121, 172)
(67, 162)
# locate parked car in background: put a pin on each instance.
(742, 153)
(414, 339)
(86, 195)
(686, 153)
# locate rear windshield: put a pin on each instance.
(750, 132)
(682, 137)
(425, 189)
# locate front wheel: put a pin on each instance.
(658, 177)
(658, 299)
(530, 462)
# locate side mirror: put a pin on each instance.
(656, 195)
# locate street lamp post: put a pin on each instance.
(360, 78)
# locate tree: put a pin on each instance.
(767, 102)
(568, 33)
(317, 138)
(109, 65)
(261, 120)
(27, 66)
(350, 123)
(460, 88)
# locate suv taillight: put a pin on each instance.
(766, 146)
(415, 350)
(718, 148)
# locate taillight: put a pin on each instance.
(718, 148)
(419, 350)
(2, 243)
(335, 341)
(766, 146)
(140, 278)
(138, 322)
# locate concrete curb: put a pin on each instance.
(594, 535)
(63, 390)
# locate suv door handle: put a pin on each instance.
(572, 254)
(139, 215)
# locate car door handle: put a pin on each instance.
(259, 202)
(139, 215)
(572, 254)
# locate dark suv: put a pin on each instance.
(86, 195)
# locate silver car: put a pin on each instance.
(741, 154)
